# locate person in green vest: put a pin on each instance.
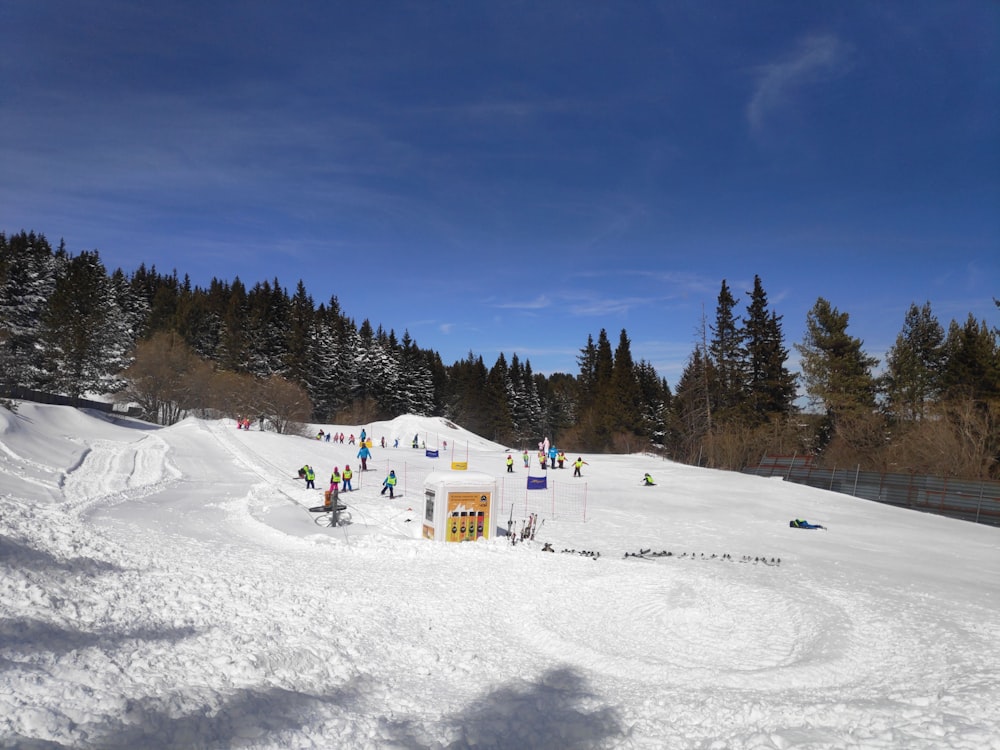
(510, 464)
(389, 484)
(310, 477)
(347, 475)
(577, 465)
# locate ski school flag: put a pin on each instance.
(537, 483)
(430, 454)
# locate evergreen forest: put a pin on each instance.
(69, 326)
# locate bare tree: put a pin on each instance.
(284, 404)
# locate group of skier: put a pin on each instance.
(341, 481)
(551, 458)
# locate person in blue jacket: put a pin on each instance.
(364, 454)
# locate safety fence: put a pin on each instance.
(552, 498)
(977, 501)
(17, 393)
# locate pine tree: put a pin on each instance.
(267, 324)
(972, 362)
(770, 385)
(624, 391)
(301, 355)
(325, 373)
(914, 363)
(690, 418)
(414, 391)
(87, 331)
(499, 425)
(27, 280)
(655, 399)
(836, 370)
(234, 344)
(587, 379)
(726, 350)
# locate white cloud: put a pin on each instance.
(814, 58)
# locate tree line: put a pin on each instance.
(69, 326)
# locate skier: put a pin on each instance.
(647, 480)
(800, 523)
(364, 434)
(553, 453)
(335, 480)
(577, 465)
(389, 484)
(510, 464)
(527, 459)
(416, 441)
(561, 458)
(542, 458)
(364, 454)
(310, 477)
(347, 479)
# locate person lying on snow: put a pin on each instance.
(648, 480)
(800, 523)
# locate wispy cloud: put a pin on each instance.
(815, 58)
(538, 303)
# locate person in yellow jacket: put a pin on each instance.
(310, 476)
(389, 484)
(577, 465)
(347, 475)
(510, 464)
(335, 480)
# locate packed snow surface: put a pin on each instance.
(168, 588)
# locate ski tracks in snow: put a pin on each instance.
(109, 475)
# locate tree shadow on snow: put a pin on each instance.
(30, 636)
(247, 716)
(13, 552)
(20, 634)
(558, 710)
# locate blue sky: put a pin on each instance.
(517, 176)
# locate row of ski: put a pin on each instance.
(528, 530)
(648, 554)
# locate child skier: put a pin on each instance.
(389, 484)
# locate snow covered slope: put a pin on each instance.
(167, 588)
